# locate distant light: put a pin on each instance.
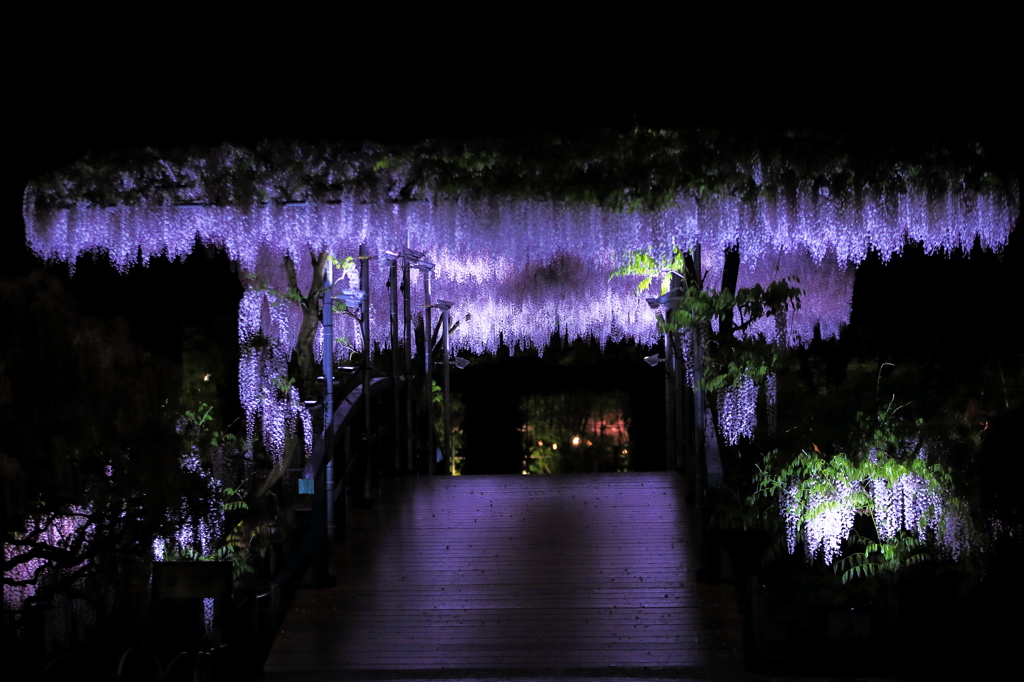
(554, 446)
(206, 377)
(575, 440)
(540, 442)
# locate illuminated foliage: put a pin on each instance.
(737, 356)
(876, 510)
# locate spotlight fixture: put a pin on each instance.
(461, 363)
(653, 360)
(412, 256)
(351, 297)
(666, 298)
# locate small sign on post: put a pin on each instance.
(306, 486)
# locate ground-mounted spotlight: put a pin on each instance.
(461, 363)
(653, 360)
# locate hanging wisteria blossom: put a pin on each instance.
(820, 498)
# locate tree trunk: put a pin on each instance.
(307, 367)
(730, 275)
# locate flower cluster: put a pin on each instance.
(820, 498)
(54, 533)
(737, 410)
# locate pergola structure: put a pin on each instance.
(522, 234)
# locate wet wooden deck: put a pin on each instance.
(515, 573)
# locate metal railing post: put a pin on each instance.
(447, 389)
(321, 573)
(446, 396)
(396, 406)
(428, 384)
(364, 327)
(407, 329)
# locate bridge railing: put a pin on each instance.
(384, 422)
(356, 459)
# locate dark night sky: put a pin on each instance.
(84, 83)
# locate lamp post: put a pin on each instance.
(324, 493)
(408, 256)
(353, 299)
(371, 479)
(446, 395)
(426, 268)
(396, 405)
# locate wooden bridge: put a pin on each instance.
(491, 576)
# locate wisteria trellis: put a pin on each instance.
(523, 267)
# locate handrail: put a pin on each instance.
(341, 421)
(315, 468)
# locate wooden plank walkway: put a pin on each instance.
(515, 573)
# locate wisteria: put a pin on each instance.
(831, 522)
(267, 330)
(737, 411)
(517, 266)
(820, 498)
(60, 533)
(198, 522)
(771, 394)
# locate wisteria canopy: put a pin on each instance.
(524, 232)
